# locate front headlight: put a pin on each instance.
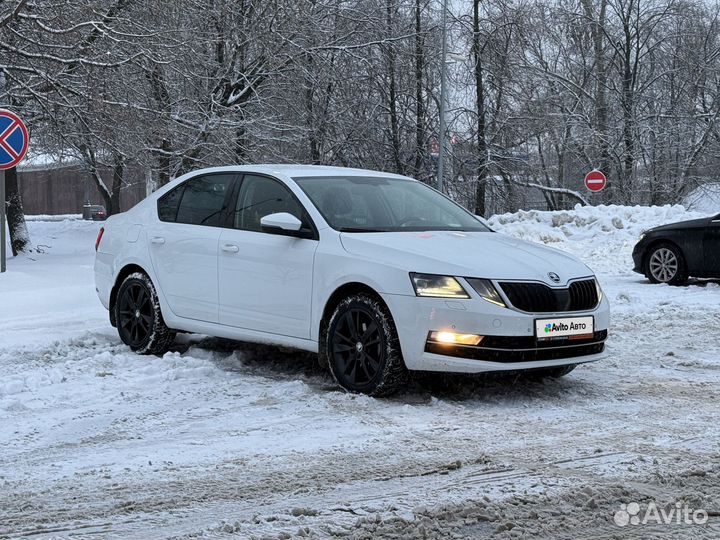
(486, 290)
(437, 286)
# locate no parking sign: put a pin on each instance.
(14, 140)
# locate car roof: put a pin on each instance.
(297, 171)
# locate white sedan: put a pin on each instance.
(377, 273)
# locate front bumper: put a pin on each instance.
(510, 343)
(638, 256)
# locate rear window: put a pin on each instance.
(168, 204)
(199, 201)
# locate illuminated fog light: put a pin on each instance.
(451, 338)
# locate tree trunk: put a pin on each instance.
(241, 145)
(482, 151)
(628, 141)
(310, 110)
(161, 94)
(601, 108)
(419, 102)
(19, 236)
(100, 184)
(392, 97)
(549, 196)
(118, 174)
(163, 158)
(628, 98)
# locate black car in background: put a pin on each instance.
(671, 253)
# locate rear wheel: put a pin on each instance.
(362, 347)
(666, 264)
(140, 323)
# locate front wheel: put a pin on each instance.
(362, 347)
(139, 321)
(666, 264)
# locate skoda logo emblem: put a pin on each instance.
(554, 277)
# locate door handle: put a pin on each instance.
(230, 248)
(157, 240)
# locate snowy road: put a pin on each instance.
(226, 440)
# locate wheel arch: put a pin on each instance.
(124, 272)
(343, 291)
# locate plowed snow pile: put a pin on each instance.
(224, 440)
(603, 236)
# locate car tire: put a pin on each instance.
(551, 373)
(665, 263)
(362, 349)
(139, 320)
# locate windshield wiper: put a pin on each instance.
(359, 229)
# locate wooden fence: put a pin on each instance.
(53, 190)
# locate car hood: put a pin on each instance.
(467, 254)
(690, 224)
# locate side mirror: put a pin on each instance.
(281, 223)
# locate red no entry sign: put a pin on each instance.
(595, 181)
(13, 140)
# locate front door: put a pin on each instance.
(711, 248)
(265, 279)
(184, 245)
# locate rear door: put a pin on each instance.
(266, 279)
(184, 244)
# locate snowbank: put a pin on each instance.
(58, 217)
(603, 236)
(49, 292)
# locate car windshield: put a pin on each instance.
(369, 204)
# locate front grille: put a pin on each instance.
(539, 298)
(583, 295)
(505, 349)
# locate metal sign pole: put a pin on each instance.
(2, 221)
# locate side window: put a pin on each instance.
(203, 199)
(168, 204)
(260, 196)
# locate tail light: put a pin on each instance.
(99, 238)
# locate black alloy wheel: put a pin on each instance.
(358, 347)
(136, 317)
(362, 348)
(140, 322)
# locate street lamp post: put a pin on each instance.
(443, 95)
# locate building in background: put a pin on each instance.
(53, 186)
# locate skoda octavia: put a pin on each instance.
(377, 273)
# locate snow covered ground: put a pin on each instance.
(226, 440)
